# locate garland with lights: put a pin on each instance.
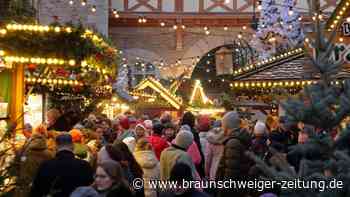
(67, 56)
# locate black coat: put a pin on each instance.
(234, 164)
(61, 175)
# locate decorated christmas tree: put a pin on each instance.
(122, 83)
(278, 30)
(322, 107)
(291, 23)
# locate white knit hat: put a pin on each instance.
(148, 124)
(259, 128)
(184, 139)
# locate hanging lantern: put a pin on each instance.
(224, 62)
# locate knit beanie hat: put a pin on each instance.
(231, 120)
(124, 123)
(260, 128)
(185, 127)
(84, 192)
(184, 139)
(204, 123)
(148, 124)
(77, 136)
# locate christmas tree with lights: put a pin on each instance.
(278, 30)
(322, 107)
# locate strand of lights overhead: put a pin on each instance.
(44, 28)
(268, 61)
(272, 83)
(35, 28)
(37, 60)
(53, 81)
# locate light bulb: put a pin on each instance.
(83, 2)
(93, 9)
(71, 2)
(162, 24)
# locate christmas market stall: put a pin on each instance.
(64, 67)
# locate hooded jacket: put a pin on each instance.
(35, 154)
(158, 144)
(151, 169)
(234, 164)
(172, 155)
(213, 152)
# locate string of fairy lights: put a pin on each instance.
(142, 19)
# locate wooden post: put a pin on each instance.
(17, 95)
(179, 39)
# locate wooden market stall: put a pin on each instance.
(64, 63)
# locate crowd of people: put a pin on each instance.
(102, 157)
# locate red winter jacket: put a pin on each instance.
(158, 144)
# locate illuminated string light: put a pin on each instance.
(93, 8)
(247, 68)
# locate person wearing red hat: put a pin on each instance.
(203, 126)
(125, 129)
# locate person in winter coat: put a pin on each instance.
(125, 130)
(182, 172)
(80, 149)
(234, 164)
(193, 150)
(213, 152)
(63, 174)
(203, 127)
(109, 180)
(169, 132)
(34, 154)
(259, 142)
(140, 132)
(133, 169)
(145, 156)
(176, 153)
(156, 140)
(189, 119)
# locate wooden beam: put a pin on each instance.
(17, 95)
(179, 5)
(179, 39)
(201, 6)
(126, 5)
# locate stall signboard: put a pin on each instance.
(346, 29)
(342, 53)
